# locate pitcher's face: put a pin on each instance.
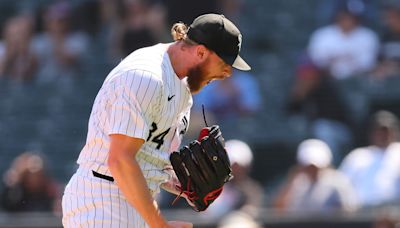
(213, 68)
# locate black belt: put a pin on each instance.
(105, 177)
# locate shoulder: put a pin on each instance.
(133, 78)
(366, 31)
(366, 35)
(395, 145)
(152, 59)
(324, 36)
(145, 62)
(133, 85)
(393, 151)
(359, 153)
(325, 31)
(358, 157)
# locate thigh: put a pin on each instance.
(92, 202)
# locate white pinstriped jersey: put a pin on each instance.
(143, 98)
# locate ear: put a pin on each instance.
(202, 53)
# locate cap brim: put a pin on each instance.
(240, 64)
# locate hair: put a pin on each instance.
(394, 7)
(385, 119)
(178, 31)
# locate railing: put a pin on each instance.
(269, 218)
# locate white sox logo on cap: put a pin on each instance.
(240, 41)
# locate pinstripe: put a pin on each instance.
(122, 113)
(129, 116)
(102, 205)
(136, 95)
(180, 103)
(152, 96)
(123, 92)
(140, 83)
(144, 93)
(115, 113)
(119, 209)
(98, 124)
(77, 202)
(84, 203)
(133, 96)
(72, 222)
(97, 132)
(91, 193)
(111, 206)
(68, 208)
(135, 219)
(121, 116)
(127, 211)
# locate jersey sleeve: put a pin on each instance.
(136, 93)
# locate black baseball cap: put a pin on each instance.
(220, 35)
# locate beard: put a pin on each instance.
(196, 78)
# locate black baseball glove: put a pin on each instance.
(202, 168)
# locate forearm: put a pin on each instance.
(132, 183)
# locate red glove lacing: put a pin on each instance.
(212, 195)
(191, 195)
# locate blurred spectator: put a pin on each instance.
(87, 17)
(316, 97)
(59, 49)
(374, 170)
(313, 185)
(387, 223)
(28, 187)
(17, 60)
(238, 219)
(225, 102)
(186, 11)
(157, 22)
(389, 56)
(242, 193)
(388, 218)
(139, 24)
(368, 9)
(231, 8)
(236, 96)
(345, 48)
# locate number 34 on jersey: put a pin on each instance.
(158, 139)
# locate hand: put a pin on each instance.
(172, 184)
(179, 224)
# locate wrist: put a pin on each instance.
(160, 224)
(158, 221)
